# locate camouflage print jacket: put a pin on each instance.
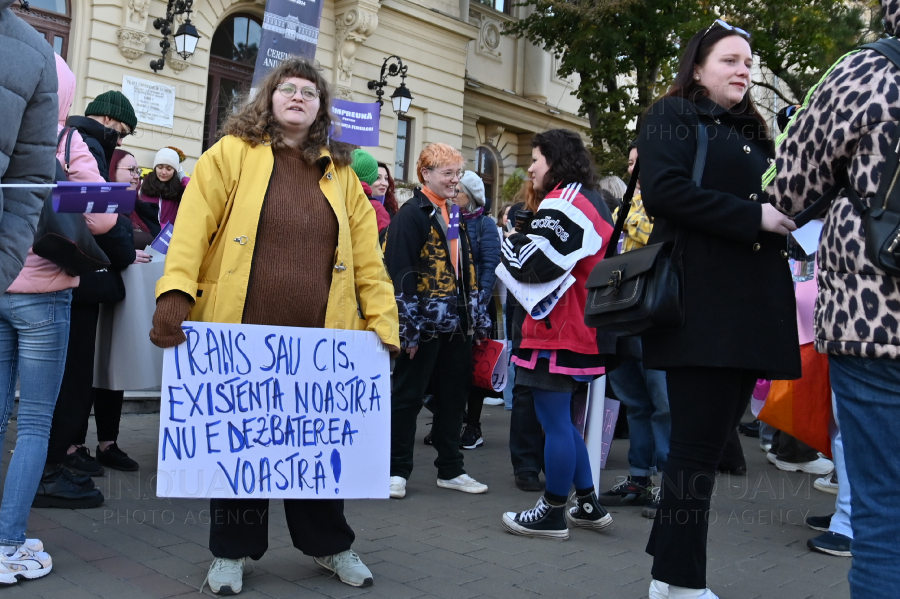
(428, 294)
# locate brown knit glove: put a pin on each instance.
(172, 308)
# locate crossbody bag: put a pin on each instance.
(640, 291)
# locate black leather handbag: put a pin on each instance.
(642, 290)
(65, 239)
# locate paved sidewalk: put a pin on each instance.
(435, 542)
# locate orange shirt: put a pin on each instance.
(445, 211)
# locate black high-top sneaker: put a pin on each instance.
(588, 513)
(543, 521)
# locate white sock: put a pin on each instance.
(685, 593)
(8, 549)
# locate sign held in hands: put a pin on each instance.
(161, 243)
(275, 412)
(93, 198)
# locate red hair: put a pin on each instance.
(437, 155)
(117, 157)
(390, 201)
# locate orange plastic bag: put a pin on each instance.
(802, 408)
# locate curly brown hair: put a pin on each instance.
(256, 124)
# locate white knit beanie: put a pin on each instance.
(167, 156)
(472, 185)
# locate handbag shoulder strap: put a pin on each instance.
(888, 190)
(67, 132)
(625, 208)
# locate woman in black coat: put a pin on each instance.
(739, 317)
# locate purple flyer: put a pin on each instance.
(93, 198)
(161, 243)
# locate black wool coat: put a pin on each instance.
(740, 310)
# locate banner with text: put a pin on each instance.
(290, 28)
(360, 123)
(275, 412)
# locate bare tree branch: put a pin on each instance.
(776, 91)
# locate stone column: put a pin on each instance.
(469, 138)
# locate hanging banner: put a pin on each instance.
(252, 411)
(290, 28)
(360, 123)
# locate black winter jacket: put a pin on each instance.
(739, 302)
(430, 298)
(100, 140)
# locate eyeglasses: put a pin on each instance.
(115, 125)
(134, 170)
(725, 25)
(449, 174)
(289, 90)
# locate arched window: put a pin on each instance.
(51, 18)
(486, 168)
(232, 58)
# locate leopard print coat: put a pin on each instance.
(847, 122)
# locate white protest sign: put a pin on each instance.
(153, 103)
(275, 412)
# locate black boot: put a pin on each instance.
(588, 513)
(543, 520)
(60, 488)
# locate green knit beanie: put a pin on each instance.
(115, 105)
(365, 166)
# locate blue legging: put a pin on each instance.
(565, 456)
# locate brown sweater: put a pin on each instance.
(293, 260)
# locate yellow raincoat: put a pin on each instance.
(211, 250)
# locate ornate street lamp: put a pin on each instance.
(401, 98)
(186, 37)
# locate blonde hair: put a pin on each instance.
(436, 155)
(256, 124)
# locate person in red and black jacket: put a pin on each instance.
(545, 265)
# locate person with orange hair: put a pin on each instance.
(431, 265)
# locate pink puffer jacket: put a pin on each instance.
(39, 274)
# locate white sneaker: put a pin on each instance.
(826, 484)
(348, 567)
(398, 487)
(226, 576)
(658, 590)
(817, 466)
(25, 563)
(464, 483)
(493, 401)
(685, 593)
